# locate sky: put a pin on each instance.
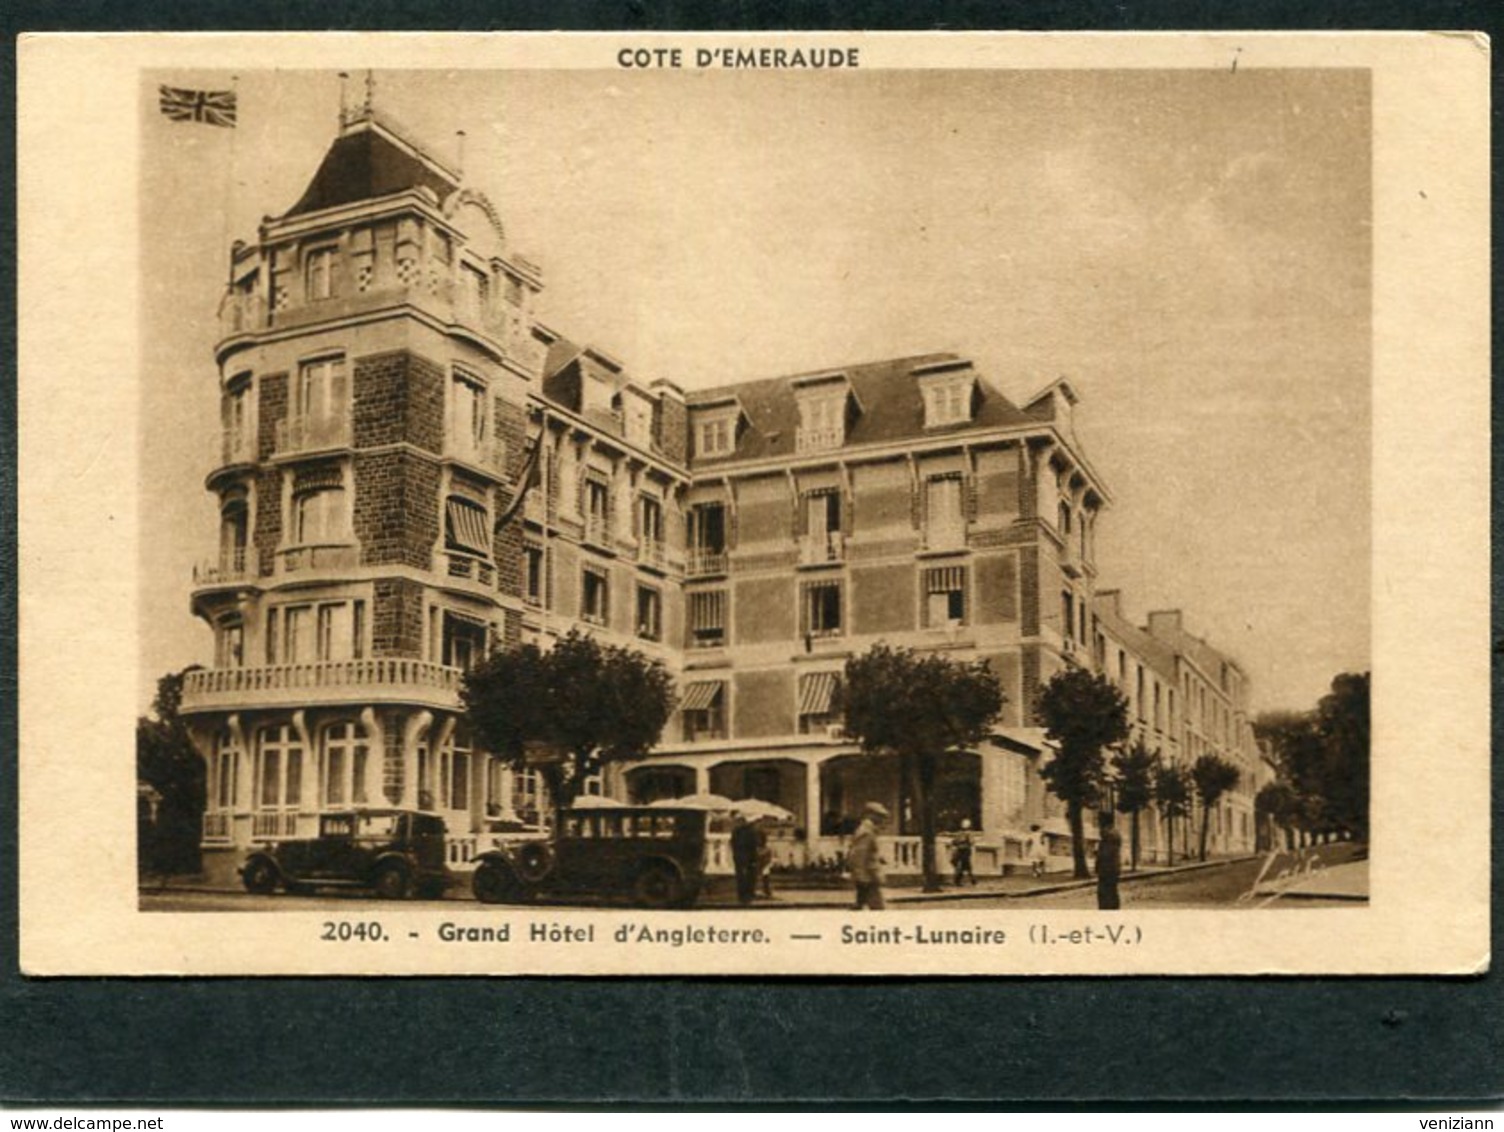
(1191, 249)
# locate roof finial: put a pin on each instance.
(370, 106)
(344, 99)
(459, 163)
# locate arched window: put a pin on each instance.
(344, 765)
(233, 526)
(1064, 518)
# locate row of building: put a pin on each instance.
(415, 471)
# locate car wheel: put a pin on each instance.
(392, 882)
(495, 883)
(658, 886)
(260, 877)
(535, 861)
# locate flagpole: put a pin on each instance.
(228, 198)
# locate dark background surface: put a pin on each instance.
(706, 1042)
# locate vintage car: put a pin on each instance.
(650, 855)
(398, 853)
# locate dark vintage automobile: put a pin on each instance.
(398, 853)
(650, 855)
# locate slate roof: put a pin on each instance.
(892, 408)
(363, 164)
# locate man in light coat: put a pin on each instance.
(865, 860)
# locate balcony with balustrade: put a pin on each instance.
(488, 455)
(298, 435)
(316, 557)
(469, 568)
(370, 681)
(229, 568)
(820, 439)
(822, 548)
(237, 446)
(702, 562)
(650, 553)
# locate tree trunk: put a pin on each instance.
(1170, 840)
(1206, 822)
(1135, 841)
(925, 800)
(1078, 840)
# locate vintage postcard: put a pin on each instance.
(765, 504)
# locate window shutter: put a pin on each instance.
(848, 505)
(799, 520)
(918, 496)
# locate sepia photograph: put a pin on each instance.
(833, 509)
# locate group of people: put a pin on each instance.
(864, 859)
(752, 858)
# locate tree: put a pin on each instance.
(1214, 776)
(1324, 756)
(1342, 722)
(1084, 714)
(1135, 786)
(1278, 808)
(918, 708)
(170, 827)
(1172, 793)
(583, 703)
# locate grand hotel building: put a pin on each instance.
(415, 471)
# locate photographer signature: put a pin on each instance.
(1305, 865)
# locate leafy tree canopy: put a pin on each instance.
(590, 703)
(1135, 777)
(899, 701)
(1085, 714)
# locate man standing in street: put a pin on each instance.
(744, 858)
(865, 860)
(1109, 862)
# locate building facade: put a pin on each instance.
(415, 471)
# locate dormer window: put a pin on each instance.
(822, 422)
(716, 436)
(949, 391)
(947, 403)
(825, 401)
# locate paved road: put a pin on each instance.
(1221, 887)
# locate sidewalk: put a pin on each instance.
(987, 888)
(794, 896)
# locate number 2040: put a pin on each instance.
(343, 931)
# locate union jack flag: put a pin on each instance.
(213, 107)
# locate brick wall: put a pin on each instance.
(396, 508)
(1029, 684)
(997, 589)
(399, 396)
(764, 704)
(271, 412)
(673, 429)
(397, 618)
(1028, 586)
(268, 532)
(883, 599)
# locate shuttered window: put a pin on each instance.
(944, 596)
(707, 617)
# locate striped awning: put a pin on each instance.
(944, 579)
(702, 695)
(467, 526)
(816, 691)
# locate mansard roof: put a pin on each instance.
(888, 393)
(368, 161)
